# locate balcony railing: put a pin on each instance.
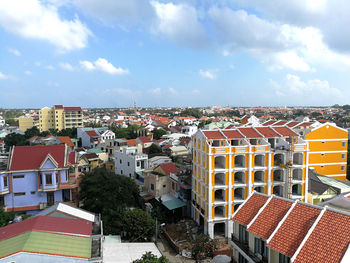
(245, 248)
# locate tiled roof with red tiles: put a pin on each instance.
(31, 157)
(132, 142)
(245, 118)
(72, 159)
(92, 133)
(293, 230)
(144, 139)
(58, 106)
(269, 218)
(267, 132)
(284, 131)
(185, 141)
(214, 135)
(280, 123)
(169, 168)
(72, 108)
(31, 139)
(303, 124)
(91, 156)
(47, 224)
(165, 147)
(250, 133)
(250, 209)
(66, 140)
(328, 241)
(270, 122)
(231, 126)
(232, 134)
(292, 124)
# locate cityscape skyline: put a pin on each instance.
(183, 53)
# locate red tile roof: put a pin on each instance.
(214, 135)
(132, 142)
(270, 122)
(303, 124)
(292, 124)
(66, 140)
(31, 157)
(169, 168)
(144, 139)
(72, 108)
(250, 209)
(185, 141)
(72, 158)
(250, 133)
(267, 132)
(232, 134)
(47, 224)
(284, 131)
(167, 147)
(281, 122)
(293, 230)
(269, 218)
(58, 106)
(328, 241)
(92, 133)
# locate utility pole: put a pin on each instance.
(156, 230)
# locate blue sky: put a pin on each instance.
(108, 53)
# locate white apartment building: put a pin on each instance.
(130, 162)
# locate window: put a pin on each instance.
(32, 192)
(5, 181)
(322, 154)
(342, 168)
(323, 141)
(260, 248)
(40, 179)
(343, 155)
(164, 185)
(57, 179)
(243, 234)
(48, 179)
(121, 171)
(322, 166)
(152, 187)
(283, 259)
(343, 144)
(18, 176)
(128, 163)
(120, 161)
(172, 185)
(19, 194)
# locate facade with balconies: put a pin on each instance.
(37, 177)
(230, 164)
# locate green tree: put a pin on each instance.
(70, 132)
(194, 112)
(148, 257)
(138, 225)
(11, 122)
(158, 133)
(154, 148)
(29, 133)
(5, 217)
(14, 139)
(102, 191)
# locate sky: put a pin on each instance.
(110, 53)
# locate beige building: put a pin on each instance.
(26, 123)
(59, 117)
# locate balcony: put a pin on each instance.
(73, 182)
(244, 250)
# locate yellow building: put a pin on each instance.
(60, 117)
(328, 146)
(26, 123)
(229, 164)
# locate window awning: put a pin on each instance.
(174, 203)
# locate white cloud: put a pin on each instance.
(196, 91)
(179, 23)
(295, 90)
(4, 76)
(66, 66)
(156, 91)
(37, 63)
(28, 72)
(103, 65)
(172, 91)
(37, 20)
(53, 84)
(50, 67)
(207, 74)
(14, 51)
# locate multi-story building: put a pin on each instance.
(130, 162)
(229, 164)
(38, 176)
(60, 117)
(26, 123)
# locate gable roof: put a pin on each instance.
(285, 131)
(144, 139)
(250, 132)
(327, 243)
(249, 209)
(66, 140)
(169, 168)
(270, 216)
(213, 135)
(293, 230)
(31, 157)
(232, 134)
(268, 132)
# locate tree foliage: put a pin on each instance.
(154, 148)
(14, 139)
(138, 225)
(194, 112)
(148, 257)
(29, 133)
(158, 133)
(131, 132)
(5, 217)
(104, 192)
